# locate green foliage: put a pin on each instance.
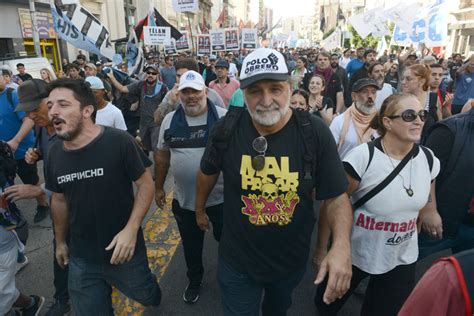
(357, 41)
(369, 41)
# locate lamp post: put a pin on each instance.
(36, 40)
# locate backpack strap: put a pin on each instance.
(371, 146)
(10, 97)
(306, 128)
(429, 157)
(225, 130)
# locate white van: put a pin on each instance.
(32, 66)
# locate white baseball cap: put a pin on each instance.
(191, 79)
(263, 63)
(95, 82)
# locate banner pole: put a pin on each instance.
(190, 33)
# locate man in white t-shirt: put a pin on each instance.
(107, 113)
(376, 72)
(351, 128)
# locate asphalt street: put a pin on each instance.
(167, 261)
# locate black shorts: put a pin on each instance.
(27, 173)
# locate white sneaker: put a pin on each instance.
(21, 265)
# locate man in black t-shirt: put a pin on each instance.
(22, 74)
(91, 173)
(268, 206)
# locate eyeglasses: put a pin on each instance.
(151, 73)
(411, 115)
(259, 144)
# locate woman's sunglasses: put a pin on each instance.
(259, 144)
(411, 115)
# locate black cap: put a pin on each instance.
(152, 66)
(365, 82)
(222, 63)
(30, 95)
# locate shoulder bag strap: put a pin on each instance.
(382, 185)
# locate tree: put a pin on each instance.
(357, 41)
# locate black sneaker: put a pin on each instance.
(191, 293)
(41, 213)
(59, 308)
(36, 308)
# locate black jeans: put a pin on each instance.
(385, 294)
(193, 237)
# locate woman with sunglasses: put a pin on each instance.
(384, 232)
(320, 105)
(416, 80)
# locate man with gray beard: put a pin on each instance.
(352, 128)
(181, 144)
(263, 153)
(376, 72)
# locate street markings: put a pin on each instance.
(162, 239)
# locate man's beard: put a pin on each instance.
(194, 110)
(268, 115)
(334, 65)
(72, 134)
(380, 81)
(150, 81)
(365, 108)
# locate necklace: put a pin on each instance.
(408, 190)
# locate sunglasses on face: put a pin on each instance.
(151, 73)
(260, 145)
(411, 115)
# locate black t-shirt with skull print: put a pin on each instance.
(268, 214)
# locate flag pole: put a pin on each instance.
(190, 32)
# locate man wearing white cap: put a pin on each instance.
(107, 113)
(181, 143)
(272, 158)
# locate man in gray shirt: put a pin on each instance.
(168, 72)
(150, 92)
(182, 140)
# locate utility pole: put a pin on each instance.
(34, 23)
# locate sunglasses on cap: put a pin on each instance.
(411, 115)
(151, 73)
(260, 145)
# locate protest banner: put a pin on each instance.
(204, 45)
(77, 26)
(156, 35)
(332, 41)
(186, 5)
(217, 40)
(430, 28)
(170, 49)
(183, 42)
(249, 38)
(231, 39)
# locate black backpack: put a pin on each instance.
(225, 131)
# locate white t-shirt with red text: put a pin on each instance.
(384, 233)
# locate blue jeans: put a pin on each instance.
(90, 284)
(464, 240)
(241, 295)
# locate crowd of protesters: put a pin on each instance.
(382, 141)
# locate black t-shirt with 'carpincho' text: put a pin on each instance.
(97, 182)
